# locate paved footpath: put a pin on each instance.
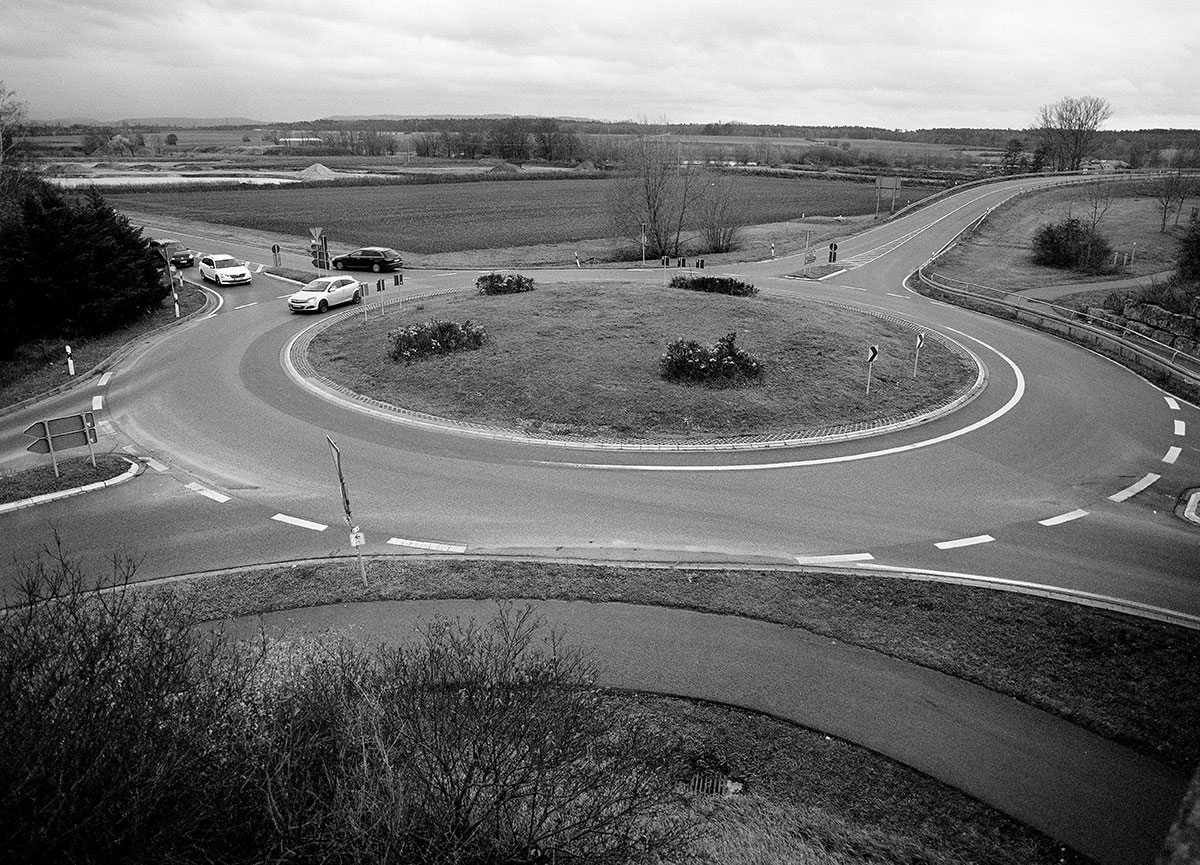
(1097, 797)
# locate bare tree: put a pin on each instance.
(12, 118)
(1070, 129)
(722, 214)
(657, 196)
(1170, 192)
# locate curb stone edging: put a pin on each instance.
(135, 468)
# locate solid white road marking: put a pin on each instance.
(1018, 395)
(220, 302)
(428, 545)
(1172, 403)
(834, 559)
(104, 380)
(97, 403)
(965, 542)
(244, 305)
(1131, 491)
(205, 491)
(1180, 428)
(1063, 518)
(1172, 455)
(296, 521)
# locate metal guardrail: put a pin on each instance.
(1117, 339)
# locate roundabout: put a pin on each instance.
(1048, 473)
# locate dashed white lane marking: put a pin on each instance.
(1131, 491)
(1180, 428)
(428, 545)
(451, 273)
(901, 296)
(834, 559)
(205, 491)
(1172, 403)
(156, 465)
(104, 380)
(296, 521)
(282, 296)
(97, 403)
(965, 542)
(106, 428)
(1063, 518)
(244, 305)
(1172, 455)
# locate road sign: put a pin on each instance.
(357, 537)
(316, 232)
(61, 433)
(810, 258)
(872, 353)
(832, 253)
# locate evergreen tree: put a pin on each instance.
(70, 267)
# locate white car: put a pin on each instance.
(327, 291)
(224, 270)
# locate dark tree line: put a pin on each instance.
(70, 265)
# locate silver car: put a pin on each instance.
(327, 291)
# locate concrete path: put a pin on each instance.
(1099, 798)
(1053, 292)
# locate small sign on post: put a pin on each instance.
(357, 538)
(70, 362)
(917, 353)
(832, 253)
(872, 353)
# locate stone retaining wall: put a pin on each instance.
(1179, 331)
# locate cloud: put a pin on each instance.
(864, 62)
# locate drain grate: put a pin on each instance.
(714, 784)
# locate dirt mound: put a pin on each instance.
(505, 168)
(317, 171)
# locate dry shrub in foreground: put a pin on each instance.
(129, 735)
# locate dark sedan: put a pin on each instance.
(174, 251)
(376, 258)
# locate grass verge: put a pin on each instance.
(583, 359)
(74, 472)
(40, 366)
(999, 254)
(1130, 680)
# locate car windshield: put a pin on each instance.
(316, 285)
(226, 262)
(174, 247)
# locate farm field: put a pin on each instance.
(450, 217)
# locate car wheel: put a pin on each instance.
(322, 306)
(375, 267)
(337, 265)
(357, 298)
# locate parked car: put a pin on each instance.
(224, 270)
(322, 293)
(180, 255)
(376, 258)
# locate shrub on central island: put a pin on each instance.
(723, 365)
(434, 337)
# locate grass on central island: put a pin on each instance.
(583, 359)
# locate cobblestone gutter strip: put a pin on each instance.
(297, 363)
(299, 367)
(134, 469)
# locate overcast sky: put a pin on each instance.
(899, 64)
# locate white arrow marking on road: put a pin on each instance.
(1063, 518)
(296, 521)
(965, 542)
(1131, 491)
